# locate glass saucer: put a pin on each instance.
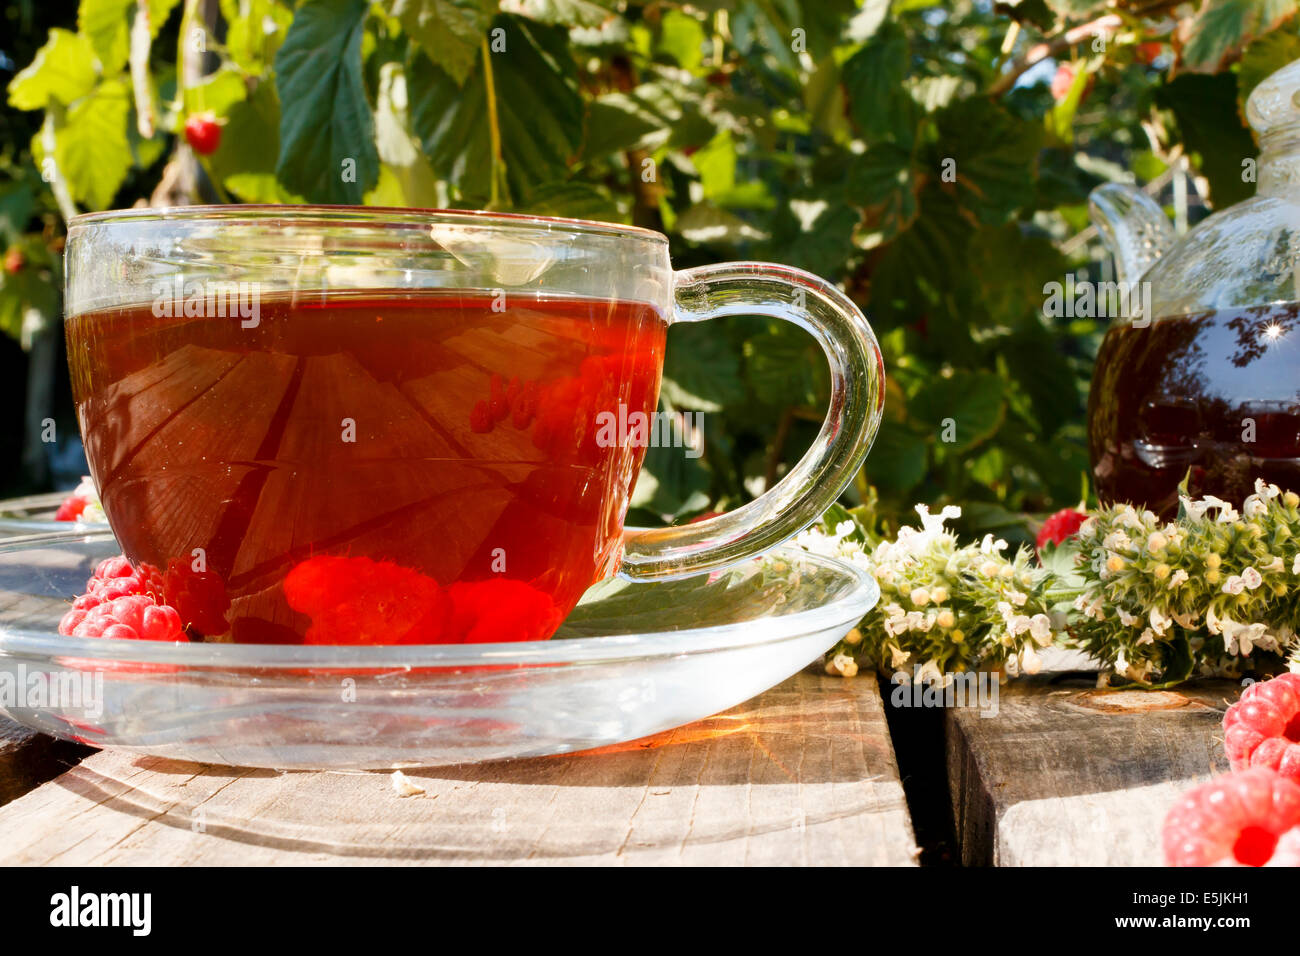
(33, 514)
(632, 659)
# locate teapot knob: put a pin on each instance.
(1275, 102)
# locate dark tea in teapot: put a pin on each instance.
(1215, 394)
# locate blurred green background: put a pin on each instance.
(934, 159)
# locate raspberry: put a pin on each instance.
(198, 596)
(480, 418)
(14, 260)
(71, 508)
(363, 601)
(1238, 818)
(1262, 729)
(127, 617)
(1148, 53)
(1064, 79)
(1064, 524)
(203, 133)
(504, 610)
(115, 577)
(76, 503)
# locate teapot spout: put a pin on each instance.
(1133, 227)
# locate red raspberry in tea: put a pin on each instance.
(1262, 729)
(480, 418)
(199, 596)
(363, 601)
(524, 406)
(486, 612)
(128, 617)
(1064, 524)
(499, 402)
(1238, 818)
(203, 133)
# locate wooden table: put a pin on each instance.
(803, 774)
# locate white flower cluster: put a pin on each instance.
(944, 608)
(93, 513)
(1161, 601)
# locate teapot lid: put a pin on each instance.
(1275, 103)
(1247, 254)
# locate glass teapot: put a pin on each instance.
(1201, 375)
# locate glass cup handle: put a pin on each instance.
(856, 404)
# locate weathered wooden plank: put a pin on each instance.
(803, 774)
(1065, 774)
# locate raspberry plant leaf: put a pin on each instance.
(1224, 26)
(449, 31)
(534, 94)
(93, 153)
(62, 72)
(327, 133)
(105, 23)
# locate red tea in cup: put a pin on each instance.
(396, 466)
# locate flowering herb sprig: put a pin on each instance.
(1215, 592)
(944, 608)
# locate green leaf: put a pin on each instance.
(883, 181)
(716, 163)
(1206, 110)
(106, 24)
(682, 37)
(816, 234)
(906, 277)
(994, 158)
(898, 459)
(1060, 118)
(1035, 361)
(701, 369)
(245, 160)
(873, 77)
(1008, 270)
(251, 45)
(574, 200)
(646, 118)
(568, 13)
(327, 148)
(159, 11)
(217, 92)
(1262, 58)
(1224, 26)
(966, 406)
(449, 31)
(63, 71)
(405, 176)
(1077, 9)
(17, 202)
(707, 224)
(1036, 13)
(782, 364)
(92, 152)
(539, 109)
(670, 483)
